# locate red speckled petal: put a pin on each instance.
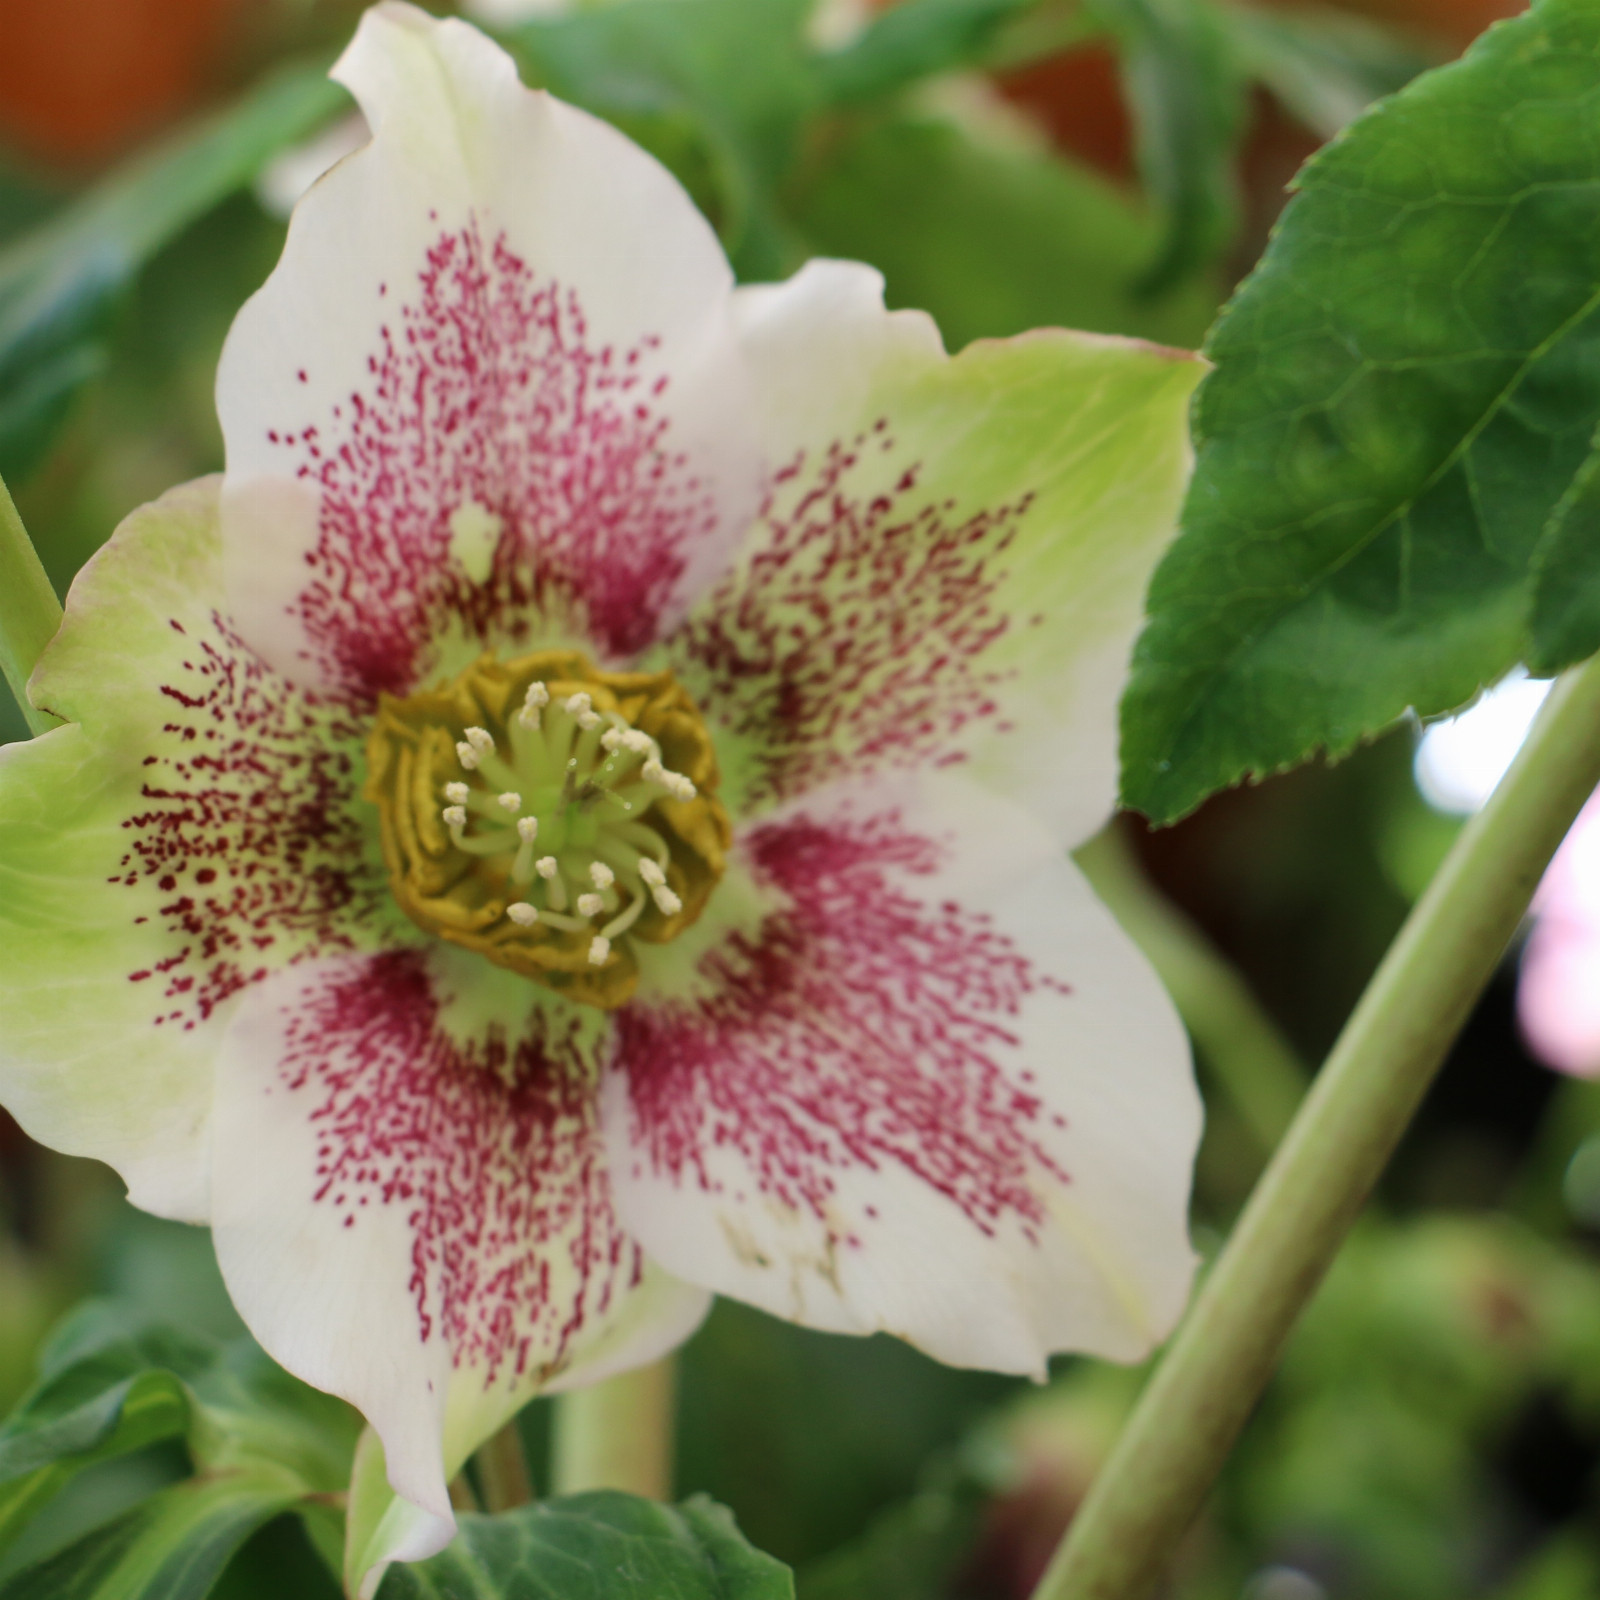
(952, 563)
(194, 828)
(490, 396)
(937, 1092)
(411, 1202)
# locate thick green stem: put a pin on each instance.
(503, 1470)
(29, 611)
(1188, 1416)
(1248, 1057)
(617, 1434)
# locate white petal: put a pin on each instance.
(499, 304)
(194, 827)
(940, 1094)
(953, 563)
(411, 1204)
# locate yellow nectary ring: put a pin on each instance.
(546, 813)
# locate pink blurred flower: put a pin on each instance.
(1558, 997)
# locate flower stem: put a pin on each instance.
(503, 1470)
(29, 611)
(1185, 1422)
(617, 1434)
(1248, 1056)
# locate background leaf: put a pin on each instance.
(1404, 390)
(172, 1546)
(59, 285)
(602, 1546)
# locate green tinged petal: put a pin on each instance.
(194, 827)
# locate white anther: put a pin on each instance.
(611, 738)
(653, 772)
(637, 742)
(480, 740)
(670, 905)
(601, 875)
(590, 905)
(680, 787)
(455, 816)
(527, 829)
(589, 720)
(546, 866)
(577, 703)
(522, 913)
(537, 695)
(467, 756)
(456, 793)
(599, 950)
(510, 801)
(652, 874)
(528, 717)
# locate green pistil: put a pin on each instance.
(564, 801)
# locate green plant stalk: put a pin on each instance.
(29, 611)
(503, 1470)
(1180, 1432)
(1247, 1054)
(617, 1434)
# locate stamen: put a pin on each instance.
(455, 819)
(510, 800)
(528, 829)
(456, 793)
(599, 950)
(601, 875)
(652, 874)
(467, 756)
(481, 740)
(522, 865)
(675, 783)
(546, 867)
(590, 905)
(538, 695)
(669, 904)
(522, 913)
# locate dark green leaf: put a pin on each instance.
(110, 1385)
(1186, 90)
(172, 1546)
(992, 241)
(1566, 594)
(601, 1546)
(59, 284)
(113, 1381)
(1404, 391)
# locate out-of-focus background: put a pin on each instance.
(1436, 1428)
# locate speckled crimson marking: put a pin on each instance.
(488, 1144)
(860, 1026)
(487, 389)
(853, 638)
(248, 830)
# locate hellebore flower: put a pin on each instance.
(577, 818)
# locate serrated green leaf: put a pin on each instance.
(1566, 594)
(1187, 92)
(602, 1546)
(991, 241)
(59, 285)
(1404, 390)
(172, 1546)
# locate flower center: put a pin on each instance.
(547, 814)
